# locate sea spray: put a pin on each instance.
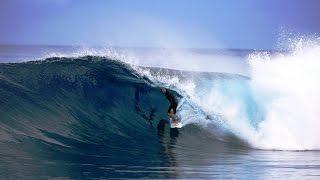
(287, 87)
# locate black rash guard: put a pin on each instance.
(173, 103)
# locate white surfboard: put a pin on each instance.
(175, 124)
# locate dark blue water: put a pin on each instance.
(92, 117)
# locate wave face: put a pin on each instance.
(91, 108)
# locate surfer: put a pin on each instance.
(173, 105)
(173, 122)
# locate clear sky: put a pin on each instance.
(173, 23)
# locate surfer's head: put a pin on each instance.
(164, 90)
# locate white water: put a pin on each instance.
(287, 87)
(277, 108)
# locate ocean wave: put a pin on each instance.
(71, 101)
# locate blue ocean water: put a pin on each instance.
(91, 117)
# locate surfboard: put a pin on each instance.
(175, 125)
